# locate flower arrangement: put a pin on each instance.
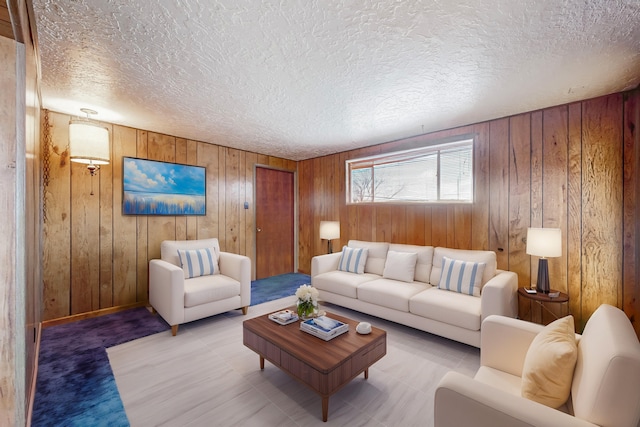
(307, 301)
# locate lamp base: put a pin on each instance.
(329, 246)
(543, 276)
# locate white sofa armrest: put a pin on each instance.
(504, 343)
(324, 263)
(166, 290)
(463, 401)
(500, 295)
(238, 267)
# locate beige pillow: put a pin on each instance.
(548, 366)
(400, 266)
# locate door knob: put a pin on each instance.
(258, 229)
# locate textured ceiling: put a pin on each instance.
(304, 78)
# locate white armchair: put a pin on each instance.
(180, 300)
(605, 389)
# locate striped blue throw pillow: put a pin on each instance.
(198, 262)
(461, 276)
(353, 259)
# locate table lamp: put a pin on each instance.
(329, 230)
(545, 243)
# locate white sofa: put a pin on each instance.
(605, 387)
(418, 303)
(180, 300)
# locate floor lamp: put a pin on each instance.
(329, 230)
(545, 243)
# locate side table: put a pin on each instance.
(541, 299)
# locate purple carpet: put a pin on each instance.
(75, 384)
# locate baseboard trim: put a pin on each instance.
(91, 314)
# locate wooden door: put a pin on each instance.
(274, 222)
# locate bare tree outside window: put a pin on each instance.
(367, 186)
(362, 185)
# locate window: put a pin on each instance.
(438, 173)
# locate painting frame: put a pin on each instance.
(157, 188)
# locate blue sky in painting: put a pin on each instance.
(158, 177)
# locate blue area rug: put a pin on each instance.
(75, 384)
(277, 287)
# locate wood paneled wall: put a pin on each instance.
(12, 372)
(6, 30)
(574, 167)
(20, 230)
(95, 257)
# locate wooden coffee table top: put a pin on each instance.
(323, 356)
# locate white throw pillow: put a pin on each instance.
(353, 260)
(464, 277)
(400, 266)
(548, 367)
(198, 262)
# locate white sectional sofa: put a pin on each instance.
(391, 289)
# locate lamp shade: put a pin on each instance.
(329, 230)
(544, 242)
(88, 142)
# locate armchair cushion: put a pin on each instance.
(205, 289)
(548, 366)
(198, 262)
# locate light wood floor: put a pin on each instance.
(205, 376)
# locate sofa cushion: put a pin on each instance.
(448, 307)
(548, 366)
(198, 262)
(461, 276)
(376, 255)
(400, 266)
(488, 257)
(423, 262)
(341, 282)
(390, 293)
(204, 289)
(353, 260)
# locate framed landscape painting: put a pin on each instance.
(159, 188)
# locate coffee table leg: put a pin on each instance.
(325, 408)
(261, 363)
(366, 374)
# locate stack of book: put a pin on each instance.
(284, 317)
(324, 327)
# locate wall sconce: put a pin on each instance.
(329, 230)
(545, 243)
(88, 142)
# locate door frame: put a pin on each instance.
(296, 244)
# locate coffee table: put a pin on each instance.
(323, 366)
